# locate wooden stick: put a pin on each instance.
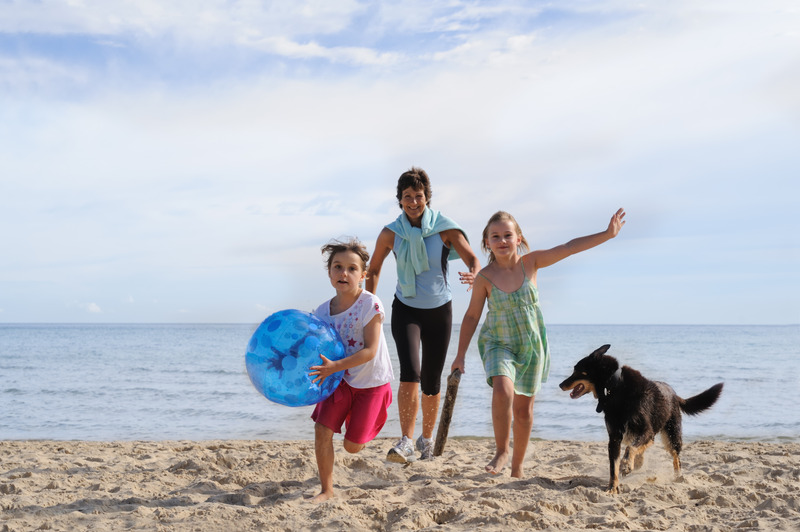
(447, 411)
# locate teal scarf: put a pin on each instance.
(412, 257)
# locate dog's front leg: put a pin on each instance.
(614, 445)
(634, 456)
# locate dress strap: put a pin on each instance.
(490, 281)
(524, 278)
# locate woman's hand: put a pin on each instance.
(467, 278)
(458, 364)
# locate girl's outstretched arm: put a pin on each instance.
(548, 257)
(480, 291)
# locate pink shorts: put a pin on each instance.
(362, 410)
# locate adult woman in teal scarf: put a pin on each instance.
(423, 241)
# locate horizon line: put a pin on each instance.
(386, 324)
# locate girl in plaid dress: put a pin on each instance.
(513, 340)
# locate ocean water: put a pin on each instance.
(177, 381)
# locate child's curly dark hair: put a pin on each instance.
(350, 244)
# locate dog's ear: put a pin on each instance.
(600, 351)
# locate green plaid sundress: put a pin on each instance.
(513, 338)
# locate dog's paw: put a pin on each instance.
(612, 490)
(625, 468)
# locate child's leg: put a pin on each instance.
(502, 399)
(323, 446)
(523, 423)
(368, 414)
(351, 447)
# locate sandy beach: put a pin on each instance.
(266, 485)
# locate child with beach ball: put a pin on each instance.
(362, 399)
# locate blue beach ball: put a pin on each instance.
(282, 351)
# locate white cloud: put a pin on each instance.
(92, 308)
(187, 20)
(162, 187)
(38, 74)
(337, 54)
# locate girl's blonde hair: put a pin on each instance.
(350, 244)
(503, 216)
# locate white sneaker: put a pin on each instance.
(425, 447)
(402, 452)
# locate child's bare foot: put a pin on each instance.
(497, 464)
(517, 472)
(322, 497)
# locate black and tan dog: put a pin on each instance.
(635, 409)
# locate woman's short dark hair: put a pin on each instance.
(417, 179)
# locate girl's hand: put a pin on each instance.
(467, 278)
(323, 371)
(616, 223)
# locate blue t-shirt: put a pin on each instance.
(433, 288)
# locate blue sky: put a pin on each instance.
(184, 161)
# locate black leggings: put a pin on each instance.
(430, 327)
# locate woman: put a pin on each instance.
(423, 241)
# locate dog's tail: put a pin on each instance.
(702, 401)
